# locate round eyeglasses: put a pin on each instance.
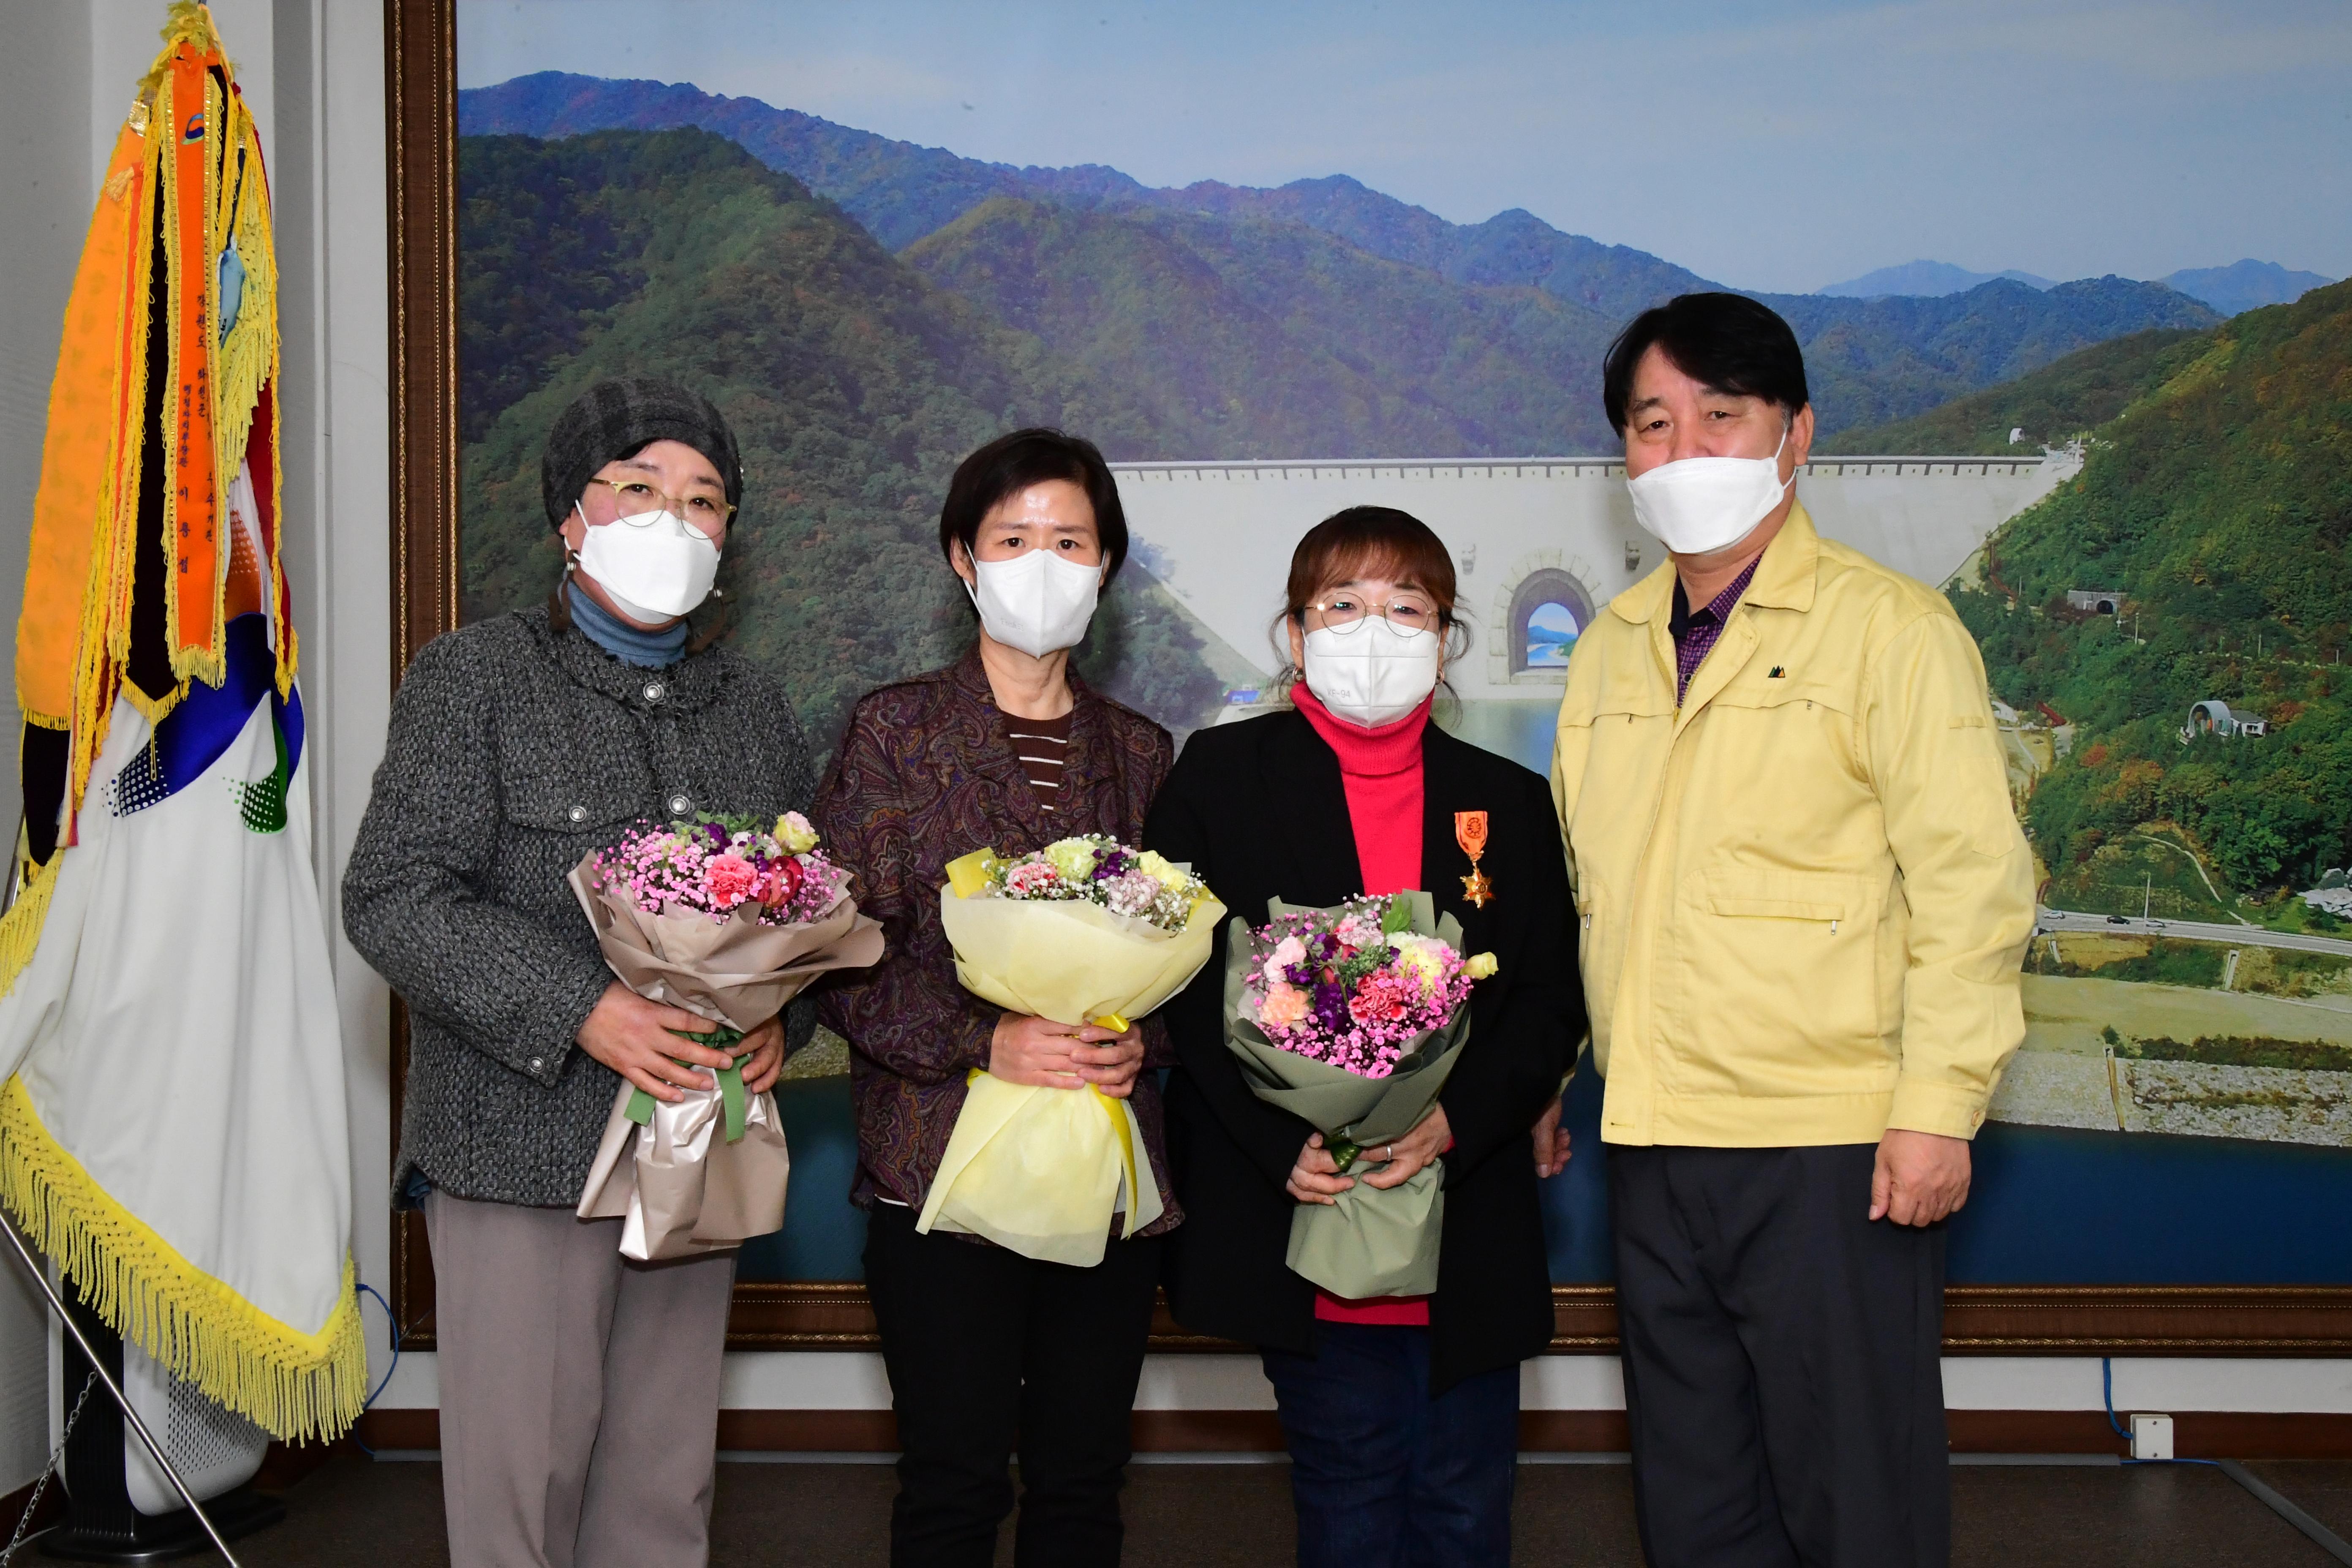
(1408, 614)
(639, 501)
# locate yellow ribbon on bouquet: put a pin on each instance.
(1027, 1167)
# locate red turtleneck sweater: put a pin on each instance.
(1380, 769)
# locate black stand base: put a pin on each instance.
(100, 1524)
(158, 1538)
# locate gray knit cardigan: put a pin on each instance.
(515, 748)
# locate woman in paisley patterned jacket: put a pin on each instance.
(1007, 748)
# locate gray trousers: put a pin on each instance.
(579, 1391)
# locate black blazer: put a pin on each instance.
(1259, 811)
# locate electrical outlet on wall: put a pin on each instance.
(2151, 1436)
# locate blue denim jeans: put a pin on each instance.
(1382, 1475)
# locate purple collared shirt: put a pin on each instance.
(1695, 630)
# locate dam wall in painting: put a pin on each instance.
(1539, 543)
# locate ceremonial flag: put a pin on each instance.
(172, 1122)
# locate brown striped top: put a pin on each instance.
(1042, 745)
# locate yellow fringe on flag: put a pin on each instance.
(296, 1386)
(20, 928)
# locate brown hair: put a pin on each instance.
(1370, 542)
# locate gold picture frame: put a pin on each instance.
(421, 45)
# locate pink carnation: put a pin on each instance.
(1030, 878)
(731, 878)
(1384, 999)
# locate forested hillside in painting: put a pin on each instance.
(2218, 505)
(853, 387)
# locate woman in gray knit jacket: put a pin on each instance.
(579, 1391)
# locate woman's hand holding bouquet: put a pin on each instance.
(1038, 1051)
(712, 924)
(640, 1040)
(1316, 1179)
(1352, 1018)
(1075, 942)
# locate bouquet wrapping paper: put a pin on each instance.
(1367, 1241)
(1043, 1171)
(669, 1169)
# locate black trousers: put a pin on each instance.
(987, 1351)
(1782, 1354)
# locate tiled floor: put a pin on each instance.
(387, 1515)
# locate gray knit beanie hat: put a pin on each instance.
(614, 419)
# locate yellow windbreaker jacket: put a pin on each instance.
(1803, 893)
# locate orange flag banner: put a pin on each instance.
(173, 1127)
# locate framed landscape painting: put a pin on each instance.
(2124, 485)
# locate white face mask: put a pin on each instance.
(1373, 675)
(1700, 505)
(1037, 602)
(655, 566)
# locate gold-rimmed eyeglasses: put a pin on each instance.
(638, 502)
(1407, 613)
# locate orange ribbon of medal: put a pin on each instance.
(1470, 832)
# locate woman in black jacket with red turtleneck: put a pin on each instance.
(1400, 1413)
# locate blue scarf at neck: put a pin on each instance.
(630, 645)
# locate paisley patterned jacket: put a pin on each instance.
(924, 774)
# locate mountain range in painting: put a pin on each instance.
(1324, 319)
(2241, 286)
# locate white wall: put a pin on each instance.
(47, 187)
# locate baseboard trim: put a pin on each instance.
(1979, 1320)
(2205, 1434)
(2196, 1433)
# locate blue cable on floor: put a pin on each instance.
(392, 1323)
(2107, 1395)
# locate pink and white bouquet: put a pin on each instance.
(1092, 867)
(729, 919)
(715, 866)
(1351, 1018)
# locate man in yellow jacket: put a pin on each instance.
(1803, 900)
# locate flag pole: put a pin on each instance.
(155, 1451)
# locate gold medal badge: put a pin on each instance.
(1470, 832)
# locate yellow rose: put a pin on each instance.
(1479, 965)
(1158, 867)
(794, 832)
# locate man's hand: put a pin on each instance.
(1551, 1142)
(1921, 1178)
(1040, 1052)
(635, 1038)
